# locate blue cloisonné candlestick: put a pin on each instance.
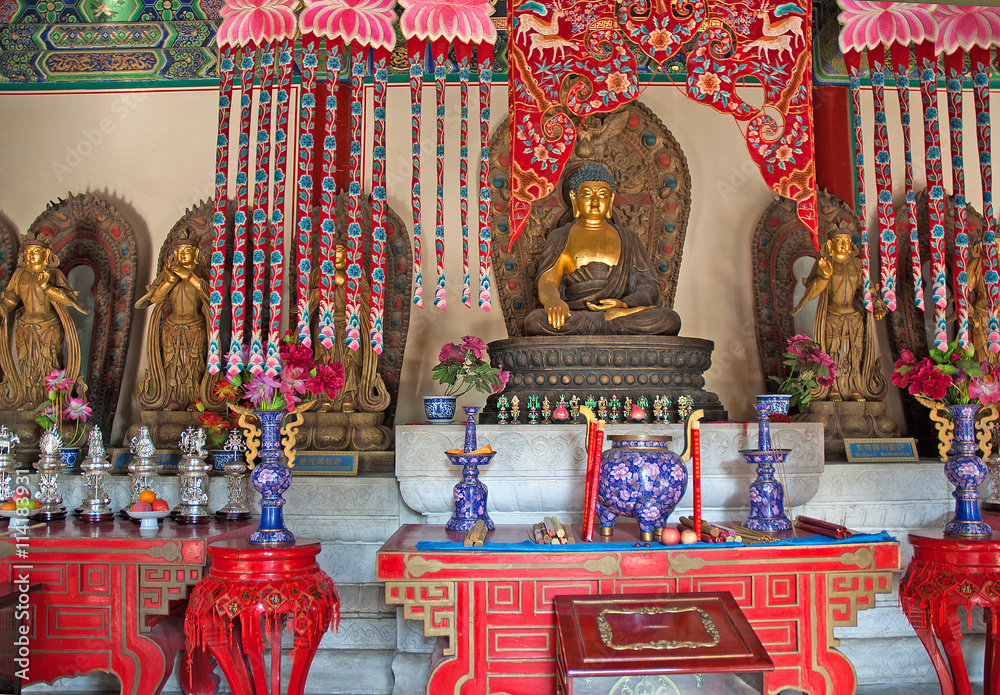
(470, 494)
(767, 496)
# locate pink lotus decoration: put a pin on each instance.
(367, 22)
(867, 24)
(256, 21)
(965, 27)
(455, 20)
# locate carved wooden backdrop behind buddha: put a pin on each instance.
(653, 199)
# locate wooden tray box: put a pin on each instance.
(657, 643)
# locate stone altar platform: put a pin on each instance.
(539, 469)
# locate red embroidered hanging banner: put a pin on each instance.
(571, 59)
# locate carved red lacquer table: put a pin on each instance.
(493, 609)
(281, 586)
(947, 573)
(112, 599)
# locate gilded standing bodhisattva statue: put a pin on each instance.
(595, 278)
(40, 330)
(842, 326)
(176, 347)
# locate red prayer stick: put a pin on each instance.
(595, 478)
(696, 465)
(588, 520)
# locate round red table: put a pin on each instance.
(948, 572)
(252, 591)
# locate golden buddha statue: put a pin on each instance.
(176, 345)
(363, 390)
(41, 328)
(595, 278)
(842, 326)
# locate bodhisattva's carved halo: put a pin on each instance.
(53, 258)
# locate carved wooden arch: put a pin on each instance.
(779, 240)
(653, 198)
(908, 327)
(86, 230)
(194, 226)
(8, 251)
(398, 285)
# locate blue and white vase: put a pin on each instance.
(69, 455)
(440, 410)
(965, 470)
(271, 478)
(777, 403)
(470, 493)
(220, 457)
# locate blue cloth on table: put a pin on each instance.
(527, 546)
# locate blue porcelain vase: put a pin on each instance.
(470, 493)
(640, 478)
(440, 410)
(69, 455)
(777, 403)
(220, 457)
(965, 470)
(271, 477)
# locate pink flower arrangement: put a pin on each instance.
(466, 366)
(809, 367)
(67, 412)
(299, 378)
(951, 377)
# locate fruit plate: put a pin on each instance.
(148, 520)
(15, 520)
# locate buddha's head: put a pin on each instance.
(36, 255)
(186, 255)
(592, 192)
(841, 246)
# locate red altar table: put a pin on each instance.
(492, 610)
(111, 598)
(281, 586)
(948, 572)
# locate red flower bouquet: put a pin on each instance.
(947, 378)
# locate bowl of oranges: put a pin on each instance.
(19, 508)
(148, 510)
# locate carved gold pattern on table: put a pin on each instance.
(432, 603)
(159, 585)
(608, 638)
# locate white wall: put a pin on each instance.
(151, 154)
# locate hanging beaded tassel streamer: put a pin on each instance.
(439, 50)
(261, 200)
(953, 80)
(463, 53)
(377, 299)
(901, 64)
(853, 61)
(303, 245)
(277, 241)
(416, 51)
(484, 57)
(247, 88)
(327, 225)
(217, 273)
(980, 61)
(883, 180)
(927, 69)
(352, 309)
